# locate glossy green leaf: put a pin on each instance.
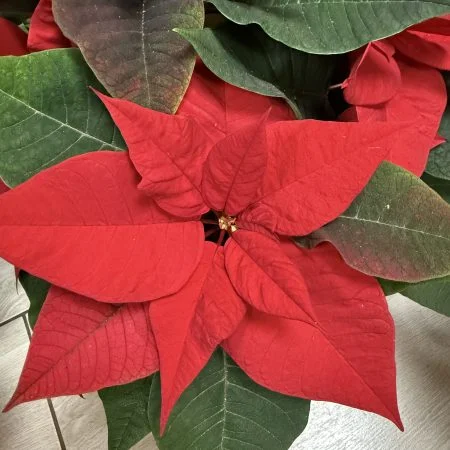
(248, 58)
(440, 185)
(126, 409)
(330, 26)
(433, 294)
(438, 163)
(36, 290)
(131, 47)
(397, 228)
(224, 409)
(48, 113)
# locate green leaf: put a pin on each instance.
(250, 59)
(439, 160)
(48, 113)
(17, 9)
(131, 47)
(36, 290)
(433, 294)
(397, 228)
(126, 413)
(330, 26)
(441, 186)
(224, 409)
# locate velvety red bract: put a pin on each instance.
(221, 108)
(426, 43)
(80, 345)
(421, 100)
(190, 324)
(315, 170)
(419, 94)
(167, 151)
(88, 229)
(44, 33)
(235, 169)
(346, 355)
(375, 75)
(96, 226)
(261, 272)
(13, 40)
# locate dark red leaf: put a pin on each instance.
(3, 187)
(316, 169)
(347, 356)
(86, 227)
(190, 324)
(13, 40)
(80, 345)
(235, 169)
(44, 33)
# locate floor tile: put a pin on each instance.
(83, 424)
(13, 300)
(28, 426)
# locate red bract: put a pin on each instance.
(82, 345)
(99, 228)
(397, 79)
(44, 33)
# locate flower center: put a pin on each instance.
(228, 223)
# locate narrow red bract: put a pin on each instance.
(96, 226)
(190, 324)
(235, 169)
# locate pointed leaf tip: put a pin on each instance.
(78, 346)
(167, 151)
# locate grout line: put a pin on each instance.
(49, 402)
(27, 325)
(12, 319)
(55, 422)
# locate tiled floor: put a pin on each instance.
(69, 423)
(73, 423)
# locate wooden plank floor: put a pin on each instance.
(423, 360)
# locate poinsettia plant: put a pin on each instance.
(207, 214)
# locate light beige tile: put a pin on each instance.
(13, 300)
(28, 426)
(83, 424)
